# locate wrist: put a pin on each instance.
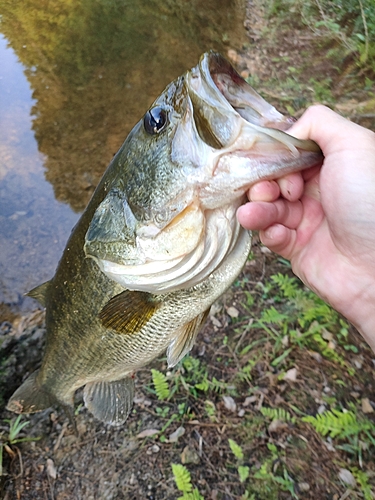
(361, 313)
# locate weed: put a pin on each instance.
(9, 439)
(363, 482)
(243, 470)
(267, 474)
(278, 414)
(350, 23)
(183, 482)
(161, 385)
(358, 431)
(302, 319)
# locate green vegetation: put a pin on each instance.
(183, 482)
(10, 437)
(351, 23)
(160, 384)
(279, 325)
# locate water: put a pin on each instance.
(74, 79)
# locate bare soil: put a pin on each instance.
(120, 463)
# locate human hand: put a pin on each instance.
(323, 219)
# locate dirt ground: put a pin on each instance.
(124, 463)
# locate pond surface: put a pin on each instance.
(75, 76)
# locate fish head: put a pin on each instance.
(168, 218)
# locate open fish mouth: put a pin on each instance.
(218, 74)
(228, 138)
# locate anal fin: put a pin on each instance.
(185, 339)
(110, 402)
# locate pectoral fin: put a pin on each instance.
(39, 293)
(110, 402)
(129, 311)
(185, 339)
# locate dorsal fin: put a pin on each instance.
(39, 293)
(129, 311)
(185, 339)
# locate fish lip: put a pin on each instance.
(213, 66)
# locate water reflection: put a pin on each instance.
(30, 238)
(94, 67)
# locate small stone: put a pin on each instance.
(355, 394)
(321, 409)
(153, 449)
(233, 312)
(241, 413)
(331, 345)
(366, 406)
(303, 487)
(358, 363)
(190, 456)
(51, 469)
(285, 341)
(327, 335)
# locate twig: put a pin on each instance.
(61, 435)
(366, 30)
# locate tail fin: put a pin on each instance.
(30, 397)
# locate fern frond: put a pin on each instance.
(336, 423)
(160, 384)
(363, 481)
(278, 414)
(287, 285)
(272, 315)
(236, 449)
(243, 472)
(182, 478)
(194, 495)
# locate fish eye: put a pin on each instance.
(155, 120)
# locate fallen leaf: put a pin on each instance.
(147, 433)
(215, 322)
(229, 403)
(347, 477)
(249, 400)
(277, 425)
(291, 375)
(174, 437)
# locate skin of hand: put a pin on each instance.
(323, 219)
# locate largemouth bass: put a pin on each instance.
(159, 241)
